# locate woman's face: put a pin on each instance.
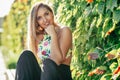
(44, 17)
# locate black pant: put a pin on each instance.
(29, 69)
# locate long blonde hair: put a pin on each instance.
(33, 26)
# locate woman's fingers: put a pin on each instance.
(50, 30)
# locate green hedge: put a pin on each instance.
(95, 25)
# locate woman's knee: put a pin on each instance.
(56, 59)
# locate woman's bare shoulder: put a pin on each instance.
(65, 30)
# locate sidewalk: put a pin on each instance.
(2, 68)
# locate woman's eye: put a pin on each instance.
(38, 18)
(46, 13)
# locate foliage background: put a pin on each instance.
(95, 25)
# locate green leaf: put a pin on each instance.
(82, 5)
(111, 4)
(118, 54)
(106, 77)
(74, 73)
(99, 21)
(110, 30)
(93, 23)
(113, 66)
(100, 7)
(106, 26)
(103, 68)
(116, 16)
(76, 33)
(87, 12)
(94, 10)
(113, 51)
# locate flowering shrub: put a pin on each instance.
(95, 25)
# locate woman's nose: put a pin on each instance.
(44, 19)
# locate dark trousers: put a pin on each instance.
(29, 69)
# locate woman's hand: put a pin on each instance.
(50, 30)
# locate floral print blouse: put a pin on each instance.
(44, 47)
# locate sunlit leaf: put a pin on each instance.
(113, 66)
(106, 77)
(110, 30)
(99, 21)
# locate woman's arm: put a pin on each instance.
(61, 45)
(65, 41)
(56, 54)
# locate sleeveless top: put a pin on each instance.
(44, 47)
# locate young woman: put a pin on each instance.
(49, 42)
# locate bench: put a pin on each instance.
(10, 74)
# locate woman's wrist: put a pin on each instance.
(53, 35)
